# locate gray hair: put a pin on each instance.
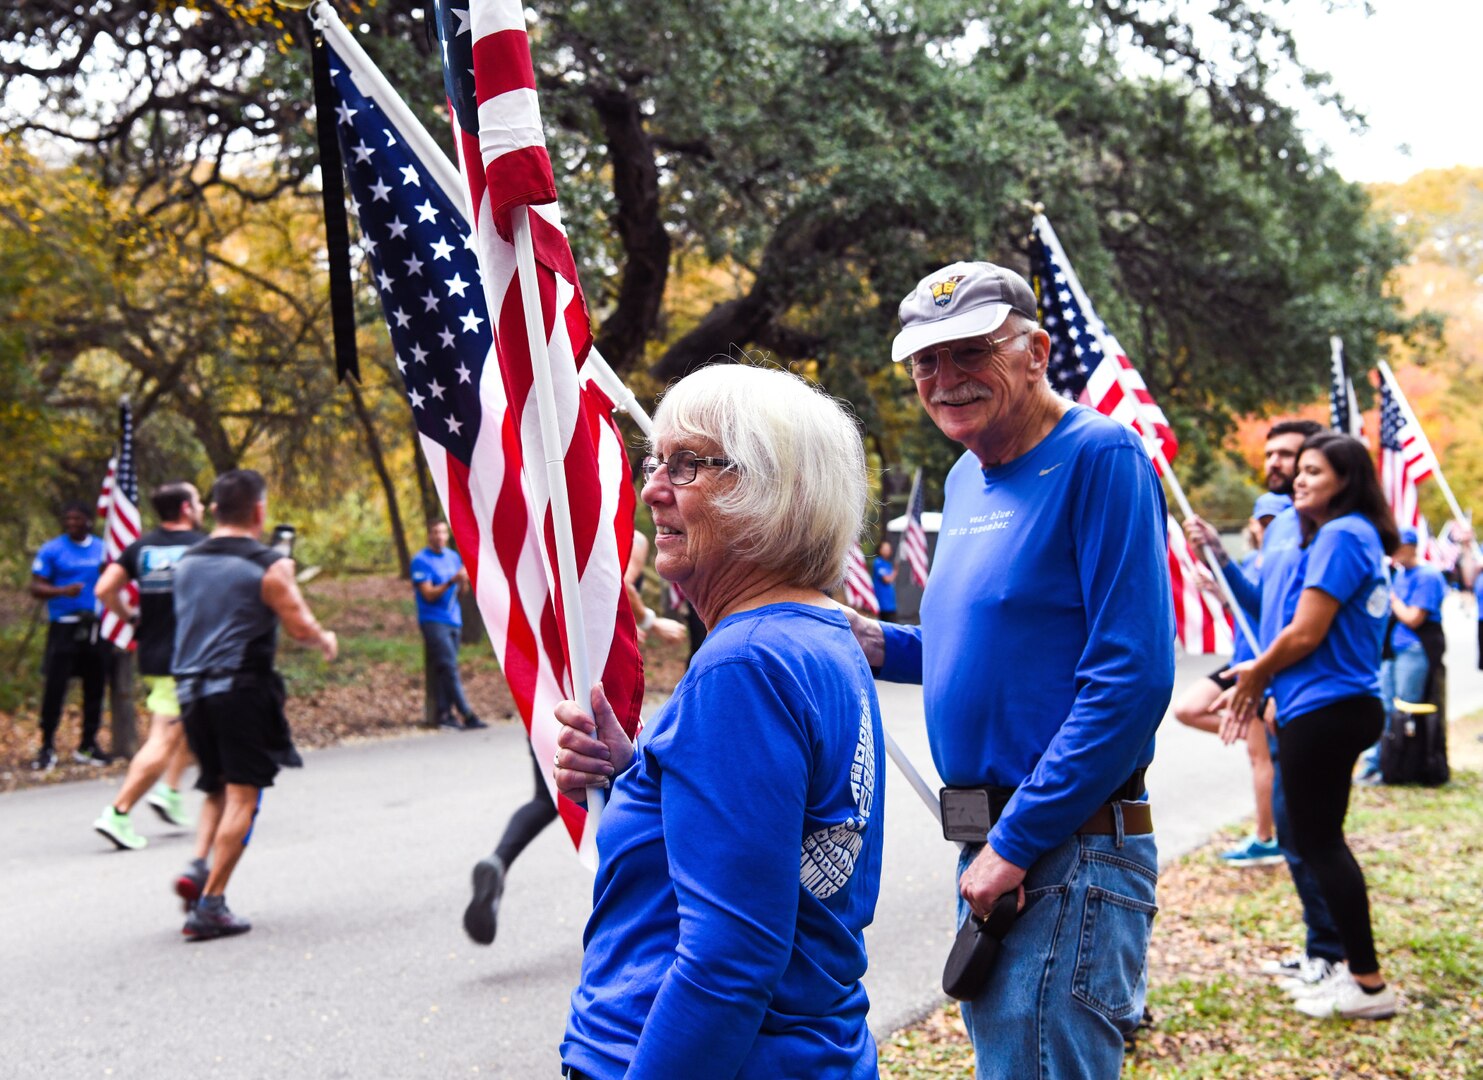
(800, 494)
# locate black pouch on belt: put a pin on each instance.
(976, 948)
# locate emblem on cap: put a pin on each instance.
(942, 291)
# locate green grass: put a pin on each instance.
(1422, 851)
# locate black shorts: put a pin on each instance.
(1220, 679)
(232, 736)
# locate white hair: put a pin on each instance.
(800, 493)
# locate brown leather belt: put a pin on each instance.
(1137, 820)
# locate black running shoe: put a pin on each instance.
(91, 755)
(211, 918)
(473, 723)
(480, 918)
(191, 883)
(45, 761)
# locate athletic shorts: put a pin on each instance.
(230, 734)
(162, 700)
(1225, 682)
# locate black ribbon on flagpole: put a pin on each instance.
(336, 228)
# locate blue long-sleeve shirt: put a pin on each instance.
(1046, 650)
(740, 859)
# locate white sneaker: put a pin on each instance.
(1311, 974)
(1288, 967)
(1347, 999)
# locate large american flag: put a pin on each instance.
(914, 537)
(1086, 362)
(118, 505)
(1344, 414)
(859, 586)
(1405, 458)
(422, 255)
(1088, 365)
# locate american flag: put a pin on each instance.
(1344, 414)
(421, 250)
(1086, 362)
(859, 587)
(1445, 548)
(1405, 458)
(1200, 624)
(118, 504)
(914, 537)
(1088, 365)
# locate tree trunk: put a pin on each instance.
(431, 510)
(388, 487)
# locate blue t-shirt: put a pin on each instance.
(1046, 650)
(1346, 560)
(436, 567)
(885, 591)
(1478, 593)
(63, 562)
(1421, 586)
(739, 864)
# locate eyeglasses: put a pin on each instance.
(681, 466)
(969, 358)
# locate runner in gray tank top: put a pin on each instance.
(231, 593)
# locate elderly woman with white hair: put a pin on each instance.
(740, 850)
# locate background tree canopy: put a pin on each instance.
(760, 176)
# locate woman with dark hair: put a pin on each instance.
(1320, 660)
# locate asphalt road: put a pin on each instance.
(356, 880)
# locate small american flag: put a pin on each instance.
(1405, 458)
(119, 501)
(422, 256)
(1344, 414)
(859, 588)
(914, 537)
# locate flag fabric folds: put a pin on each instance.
(1405, 458)
(914, 537)
(859, 586)
(448, 351)
(1088, 365)
(1086, 362)
(118, 504)
(1344, 414)
(1201, 624)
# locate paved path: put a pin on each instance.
(359, 967)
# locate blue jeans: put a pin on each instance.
(442, 655)
(1071, 976)
(1323, 936)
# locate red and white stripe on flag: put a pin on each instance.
(121, 527)
(914, 537)
(105, 493)
(508, 512)
(1200, 624)
(859, 586)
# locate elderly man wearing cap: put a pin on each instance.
(1045, 654)
(1195, 706)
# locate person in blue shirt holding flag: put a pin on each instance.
(883, 578)
(1046, 659)
(740, 849)
(65, 575)
(437, 575)
(1320, 660)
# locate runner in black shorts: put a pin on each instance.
(230, 594)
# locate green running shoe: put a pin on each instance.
(169, 804)
(118, 828)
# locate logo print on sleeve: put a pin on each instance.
(828, 857)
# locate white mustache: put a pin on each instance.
(958, 395)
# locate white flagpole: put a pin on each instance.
(565, 583)
(1152, 442)
(1436, 462)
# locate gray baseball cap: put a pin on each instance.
(962, 300)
